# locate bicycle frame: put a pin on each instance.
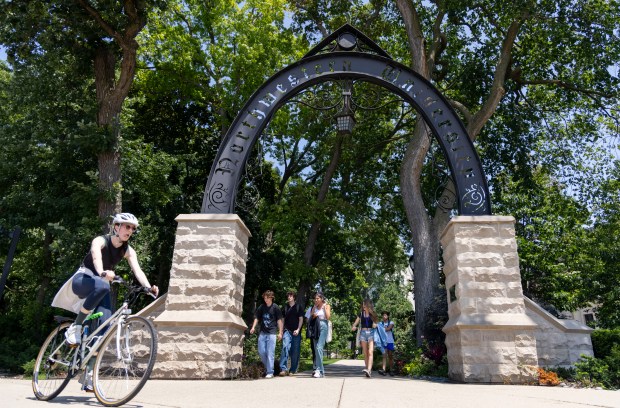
(115, 365)
(81, 357)
(116, 320)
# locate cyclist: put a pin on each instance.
(89, 287)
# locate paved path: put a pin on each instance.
(343, 387)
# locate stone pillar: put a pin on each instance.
(201, 330)
(489, 337)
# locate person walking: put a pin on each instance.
(388, 355)
(270, 317)
(291, 340)
(368, 320)
(309, 334)
(318, 317)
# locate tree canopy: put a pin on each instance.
(535, 82)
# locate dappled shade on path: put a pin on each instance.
(346, 369)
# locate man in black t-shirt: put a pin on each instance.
(270, 316)
(291, 341)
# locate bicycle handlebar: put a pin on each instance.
(133, 289)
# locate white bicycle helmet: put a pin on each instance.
(125, 218)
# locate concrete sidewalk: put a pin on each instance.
(343, 387)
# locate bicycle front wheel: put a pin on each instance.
(52, 369)
(125, 361)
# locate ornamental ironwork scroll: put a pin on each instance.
(347, 54)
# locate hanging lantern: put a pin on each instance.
(345, 119)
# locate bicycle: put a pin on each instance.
(124, 356)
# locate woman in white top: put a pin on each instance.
(322, 311)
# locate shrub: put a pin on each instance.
(435, 352)
(547, 377)
(251, 365)
(250, 349)
(251, 370)
(14, 360)
(28, 368)
(405, 347)
(422, 365)
(603, 341)
(593, 371)
(613, 362)
(565, 374)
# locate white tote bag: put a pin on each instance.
(330, 329)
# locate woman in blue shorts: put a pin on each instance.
(368, 324)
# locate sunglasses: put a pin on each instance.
(130, 227)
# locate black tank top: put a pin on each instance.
(110, 255)
(366, 321)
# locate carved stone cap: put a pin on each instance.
(206, 218)
(477, 219)
(566, 325)
(482, 219)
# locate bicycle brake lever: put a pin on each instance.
(148, 292)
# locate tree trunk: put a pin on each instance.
(111, 93)
(108, 160)
(306, 284)
(423, 235)
(109, 164)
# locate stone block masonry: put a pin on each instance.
(489, 337)
(559, 342)
(200, 329)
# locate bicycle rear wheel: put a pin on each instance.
(125, 361)
(52, 368)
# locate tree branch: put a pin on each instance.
(182, 17)
(102, 23)
(499, 79)
(439, 41)
(463, 109)
(320, 25)
(415, 37)
(562, 84)
(136, 21)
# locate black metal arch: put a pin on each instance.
(348, 59)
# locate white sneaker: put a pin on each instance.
(317, 374)
(269, 376)
(74, 334)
